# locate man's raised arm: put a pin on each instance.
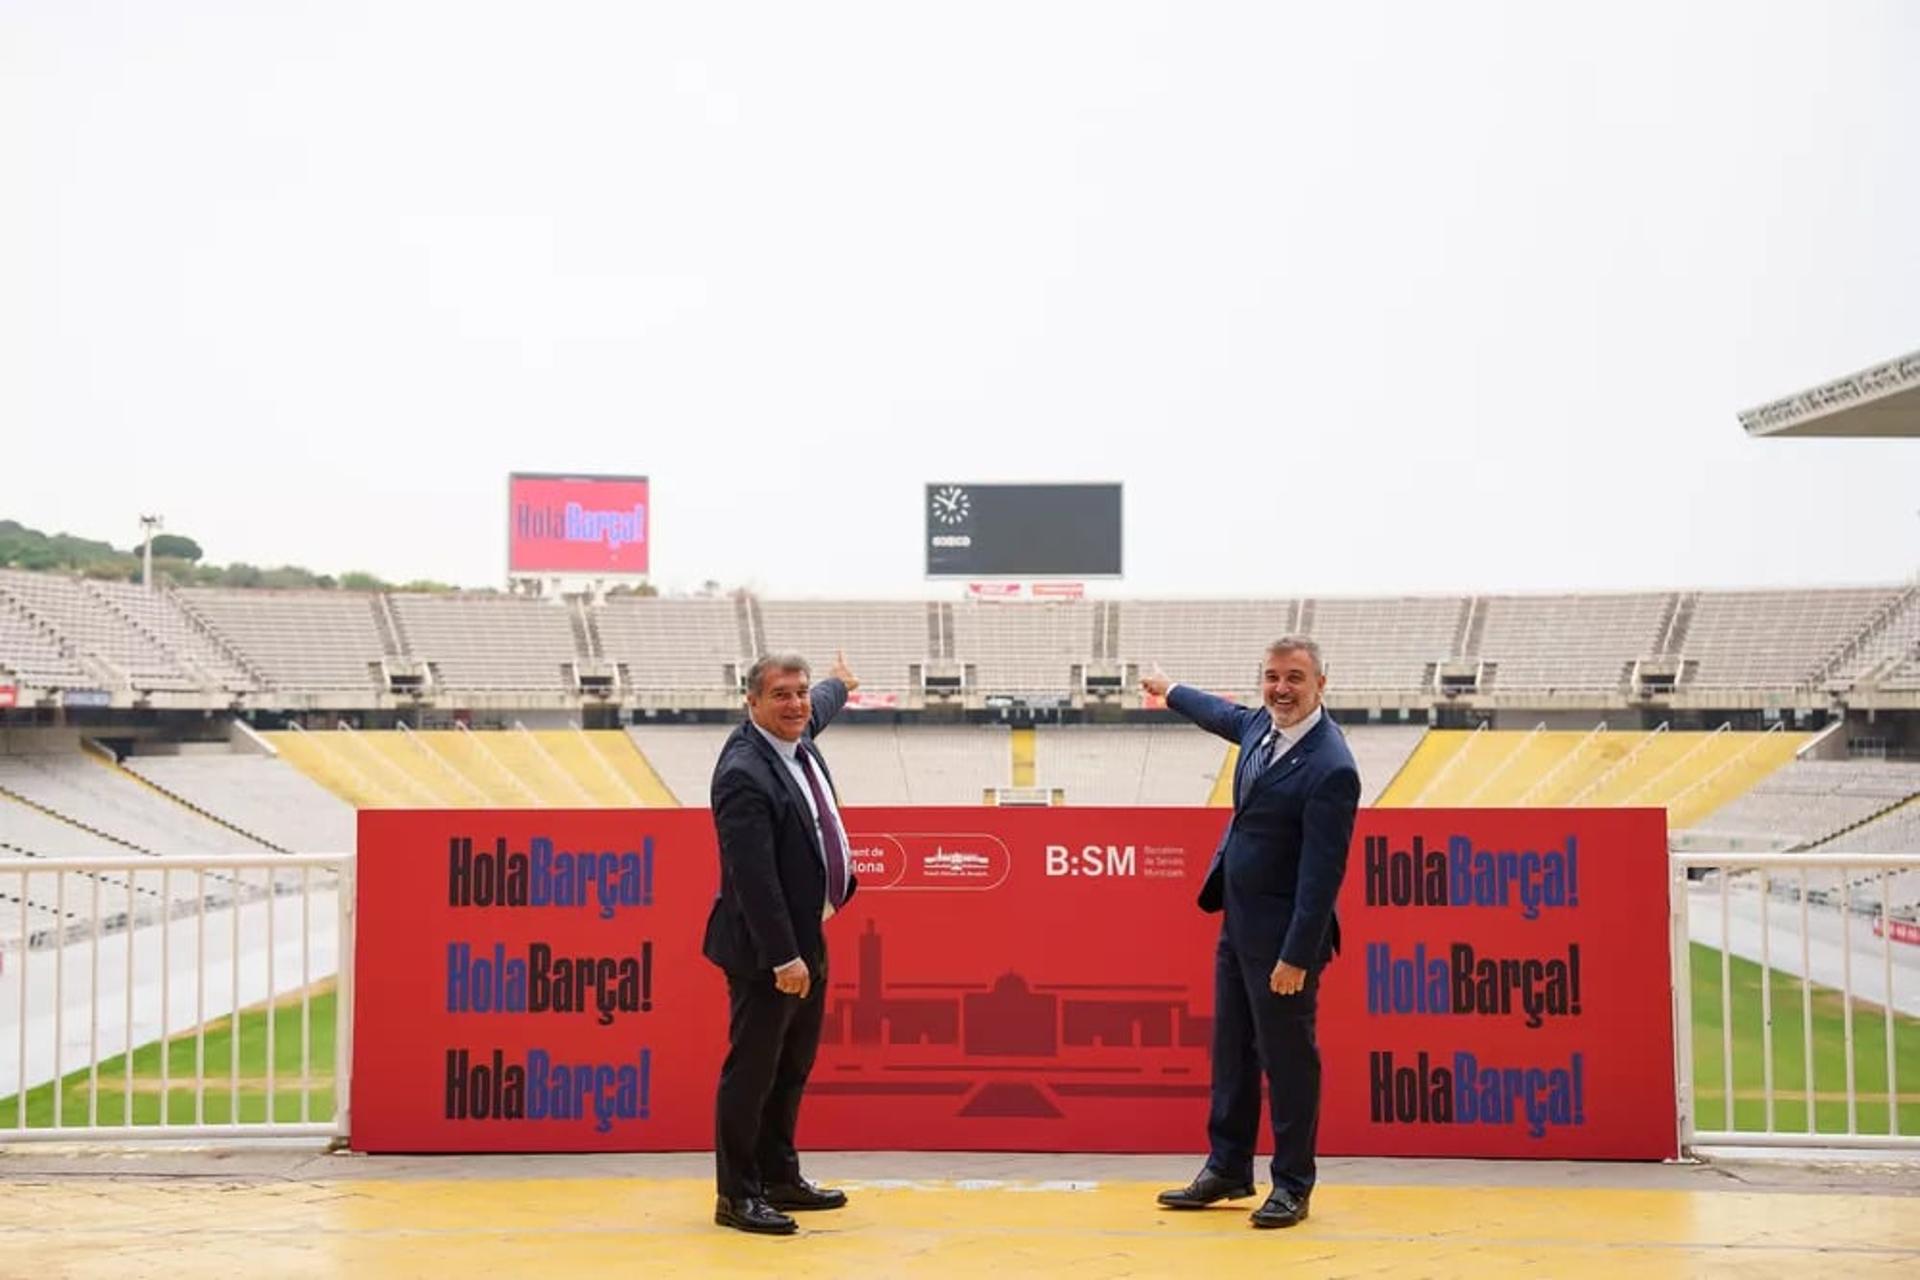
(830, 695)
(1215, 715)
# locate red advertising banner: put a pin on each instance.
(577, 524)
(9, 695)
(1903, 930)
(1012, 979)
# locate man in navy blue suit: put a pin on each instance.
(1276, 875)
(784, 869)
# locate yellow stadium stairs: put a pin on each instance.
(1689, 774)
(461, 769)
(1021, 742)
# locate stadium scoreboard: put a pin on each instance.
(577, 525)
(1023, 530)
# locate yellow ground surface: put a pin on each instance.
(564, 1226)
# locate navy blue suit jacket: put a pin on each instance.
(773, 879)
(1279, 865)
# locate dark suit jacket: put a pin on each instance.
(1279, 865)
(773, 878)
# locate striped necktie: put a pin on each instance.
(1262, 757)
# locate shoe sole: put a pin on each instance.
(1277, 1226)
(1203, 1204)
(751, 1230)
(807, 1208)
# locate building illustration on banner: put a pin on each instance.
(941, 1037)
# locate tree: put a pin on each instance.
(175, 547)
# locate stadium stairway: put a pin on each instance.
(458, 769)
(1021, 749)
(1688, 774)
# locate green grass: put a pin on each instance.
(1789, 1055)
(217, 1102)
(1829, 1064)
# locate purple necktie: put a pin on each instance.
(836, 848)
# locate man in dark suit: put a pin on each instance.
(784, 869)
(1276, 875)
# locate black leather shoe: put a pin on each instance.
(801, 1194)
(1208, 1188)
(1282, 1209)
(751, 1213)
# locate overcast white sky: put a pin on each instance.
(1353, 298)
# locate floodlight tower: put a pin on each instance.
(148, 524)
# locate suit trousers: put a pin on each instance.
(772, 1039)
(1256, 1033)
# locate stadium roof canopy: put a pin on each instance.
(1878, 402)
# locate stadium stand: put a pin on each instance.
(1570, 643)
(1180, 765)
(304, 641)
(1380, 752)
(90, 793)
(682, 756)
(1776, 639)
(1378, 646)
(69, 805)
(1098, 766)
(34, 652)
(1688, 774)
(1809, 801)
(1890, 637)
(953, 765)
(868, 764)
(459, 769)
(1752, 659)
(1214, 644)
(674, 646)
(1896, 831)
(170, 625)
(1026, 649)
(86, 625)
(476, 642)
(27, 831)
(255, 793)
(308, 649)
(883, 640)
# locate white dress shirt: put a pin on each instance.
(1288, 737)
(789, 753)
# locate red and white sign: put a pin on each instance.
(9, 695)
(578, 524)
(993, 590)
(1906, 931)
(1012, 980)
(1059, 590)
(863, 701)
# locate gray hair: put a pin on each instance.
(767, 663)
(1303, 644)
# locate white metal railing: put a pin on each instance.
(1838, 930)
(106, 961)
(136, 963)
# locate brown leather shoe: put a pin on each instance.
(802, 1195)
(1282, 1209)
(1208, 1188)
(751, 1213)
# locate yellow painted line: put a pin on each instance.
(1221, 797)
(1021, 743)
(561, 1226)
